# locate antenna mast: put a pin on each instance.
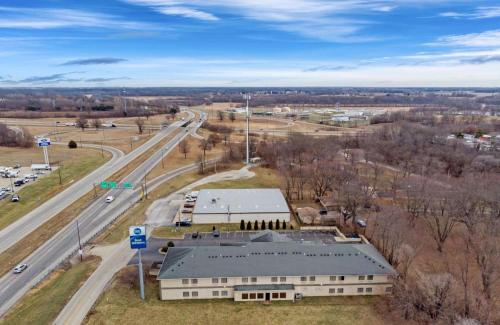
(247, 97)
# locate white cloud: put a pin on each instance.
(48, 18)
(318, 19)
(489, 38)
(478, 13)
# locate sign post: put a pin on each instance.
(44, 143)
(138, 241)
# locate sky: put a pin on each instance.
(254, 43)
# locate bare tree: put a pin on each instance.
(184, 147)
(96, 123)
(214, 139)
(232, 116)
(81, 122)
(440, 219)
(205, 145)
(140, 124)
(220, 115)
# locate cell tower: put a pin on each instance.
(247, 97)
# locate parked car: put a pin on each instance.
(17, 166)
(195, 235)
(361, 223)
(19, 182)
(20, 268)
(109, 199)
(190, 200)
(216, 233)
(30, 176)
(5, 189)
(183, 223)
(15, 198)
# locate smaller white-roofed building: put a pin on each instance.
(233, 205)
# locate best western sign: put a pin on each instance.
(137, 237)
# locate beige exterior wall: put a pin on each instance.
(205, 218)
(321, 285)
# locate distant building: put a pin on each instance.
(271, 267)
(234, 205)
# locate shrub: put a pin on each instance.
(249, 225)
(256, 225)
(72, 144)
(242, 225)
(263, 225)
(283, 226)
(270, 226)
(277, 224)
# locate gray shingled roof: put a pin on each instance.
(273, 259)
(268, 236)
(258, 200)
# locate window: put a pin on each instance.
(333, 278)
(388, 289)
(360, 290)
(252, 296)
(194, 294)
(215, 293)
(274, 279)
(244, 296)
(260, 296)
(244, 280)
(275, 295)
(282, 278)
(223, 280)
(215, 280)
(254, 279)
(341, 278)
(369, 277)
(223, 293)
(194, 281)
(331, 290)
(185, 294)
(185, 281)
(303, 278)
(282, 295)
(312, 278)
(361, 277)
(368, 289)
(340, 290)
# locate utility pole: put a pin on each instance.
(95, 191)
(80, 251)
(60, 176)
(162, 162)
(247, 97)
(145, 188)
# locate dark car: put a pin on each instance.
(195, 235)
(216, 233)
(19, 182)
(183, 223)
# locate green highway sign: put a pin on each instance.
(109, 185)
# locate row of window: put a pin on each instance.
(274, 295)
(223, 293)
(281, 279)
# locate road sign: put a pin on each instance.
(108, 185)
(43, 142)
(137, 237)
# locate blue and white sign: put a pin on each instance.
(137, 237)
(43, 142)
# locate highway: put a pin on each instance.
(31, 221)
(92, 220)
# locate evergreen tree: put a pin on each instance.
(283, 226)
(277, 224)
(249, 225)
(242, 225)
(270, 226)
(263, 225)
(256, 225)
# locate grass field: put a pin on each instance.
(32, 195)
(42, 304)
(121, 304)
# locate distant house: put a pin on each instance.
(272, 268)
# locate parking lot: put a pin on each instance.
(8, 183)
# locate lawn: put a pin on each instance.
(42, 304)
(264, 178)
(121, 304)
(35, 193)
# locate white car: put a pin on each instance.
(109, 199)
(20, 268)
(190, 200)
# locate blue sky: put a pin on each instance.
(249, 43)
